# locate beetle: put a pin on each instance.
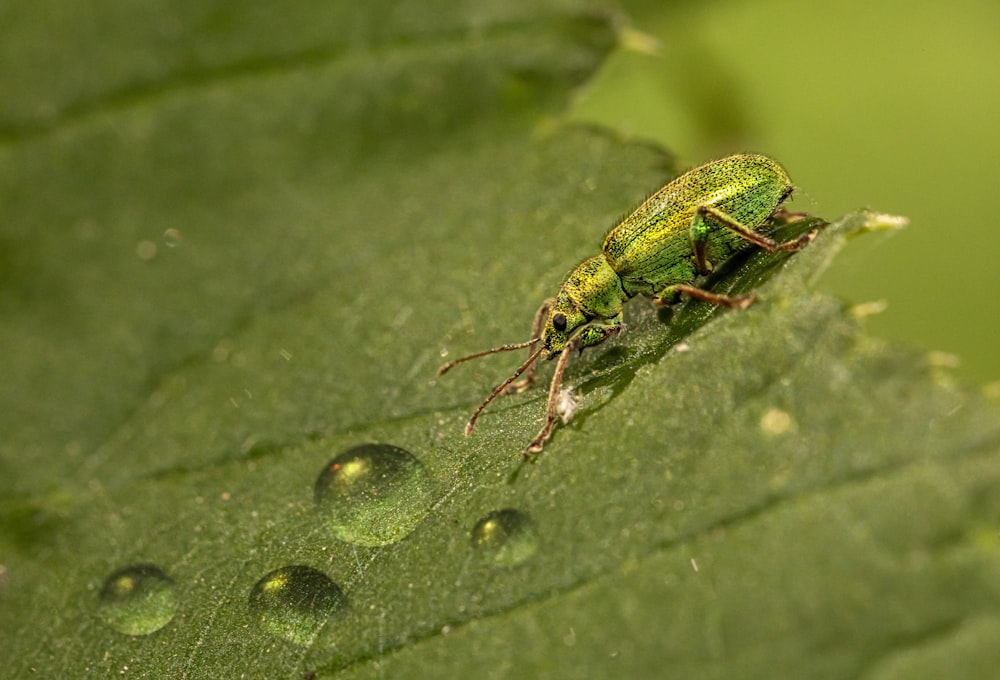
(699, 219)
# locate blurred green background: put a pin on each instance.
(888, 105)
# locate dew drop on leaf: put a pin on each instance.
(373, 494)
(506, 537)
(138, 600)
(295, 602)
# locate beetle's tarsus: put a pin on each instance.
(783, 213)
(538, 443)
(743, 301)
(536, 446)
(800, 242)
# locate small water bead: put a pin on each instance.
(138, 600)
(172, 237)
(373, 494)
(295, 602)
(506, 536)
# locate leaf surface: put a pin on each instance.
(238, 245)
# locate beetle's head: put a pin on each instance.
(565, 316)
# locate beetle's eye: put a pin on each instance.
(559, 321)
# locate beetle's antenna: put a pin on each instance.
(503, 348)
(502, 386)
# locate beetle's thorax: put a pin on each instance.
(595, 288)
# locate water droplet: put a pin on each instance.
(172, 237)
(145, 250)
(295, 602)
(138, 600)
(373, 494)
(506, 536)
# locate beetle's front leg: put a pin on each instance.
(593, 333)
(536, 330)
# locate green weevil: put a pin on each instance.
(701, 218)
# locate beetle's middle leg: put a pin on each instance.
(672, 294)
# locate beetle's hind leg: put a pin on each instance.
(700, 229)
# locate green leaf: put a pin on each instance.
(236, 247)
